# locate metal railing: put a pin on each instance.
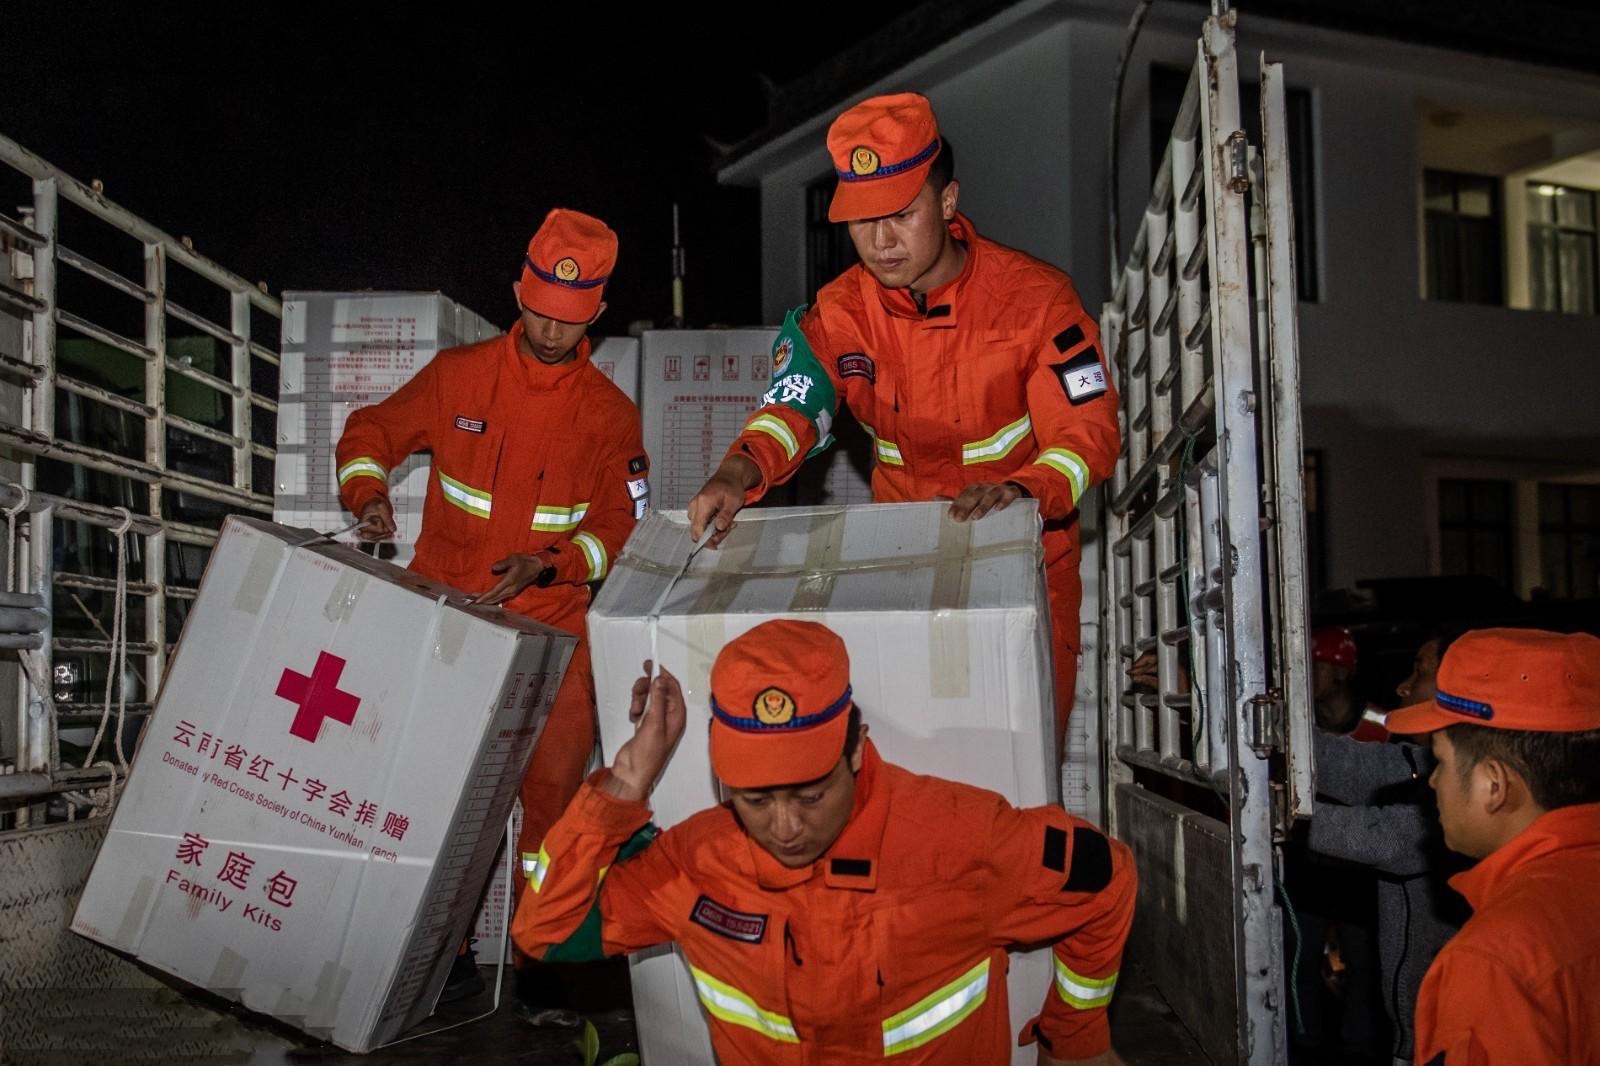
(157, 432)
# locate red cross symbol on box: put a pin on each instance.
(318, 697)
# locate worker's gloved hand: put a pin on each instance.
(981, 497)
(658, 717)
(517, 572)
(377, 519)
(722, 497)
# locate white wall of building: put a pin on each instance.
(1392, 383)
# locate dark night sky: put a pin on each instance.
(322, 150)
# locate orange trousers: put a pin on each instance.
(1065, 588)
(556, 769)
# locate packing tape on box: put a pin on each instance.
(266, 562)
(331, 983)
(344, 597)
(949, 648)
(131, 930)
(823, 545)
(227, 976)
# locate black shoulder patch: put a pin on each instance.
(1082, 377)
(1091, 861)
(638, 464)
(850, 867)
(1055, 849)
(725, 921)
(1069, 339)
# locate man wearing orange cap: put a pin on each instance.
(1515, 726)
(837, 909)
(975, 367)
(539, 473)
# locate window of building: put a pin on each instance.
(1561, 248)
(1476, 528)
(1463, 221)
(1167, 85)
(829, 251)
(1569, 540)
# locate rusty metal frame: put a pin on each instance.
(34, 771)
(1206, 555)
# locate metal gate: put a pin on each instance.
(141, 408)
(1204, 572)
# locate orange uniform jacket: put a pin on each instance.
(892, 945)
(1520, 984)
(526, 457)
(999, 378)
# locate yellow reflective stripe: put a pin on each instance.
(539, 870)
(559, 518)
(888, 451)
(1085, 993)
(937, 1013)
(724, 1001)
(595, 552)
(774, 427)
(362, 466)
(469, 499)
(998, 446)
(1069, 463)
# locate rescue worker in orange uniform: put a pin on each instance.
(975, 367)
(1515, 726)
(539, 473)
(836, 909)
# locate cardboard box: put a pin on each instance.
(342, 351)
(618, 359)
(492, 924)
(697, 390)
(323, 785)
(948, 633)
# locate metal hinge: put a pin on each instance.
(1266, 723)
(1238, 162)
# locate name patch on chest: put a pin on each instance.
(471, 425)
(858, 365)
(724, 921)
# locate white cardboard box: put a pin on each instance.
(322, 786)
(948, 635)
(342, 351)
(697, 389)
(618, 359)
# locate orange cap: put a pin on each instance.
(1513, 679)
(567, 266)
(780, 702)
(882, 151)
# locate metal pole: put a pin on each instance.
(1114, 215)
(155, 453)
(47, 224)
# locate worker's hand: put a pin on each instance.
(981, 497)
(377, 520)
(721, 498)
(516, 572)
(658, 717)
(1144, 674)
(1108, 1058)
